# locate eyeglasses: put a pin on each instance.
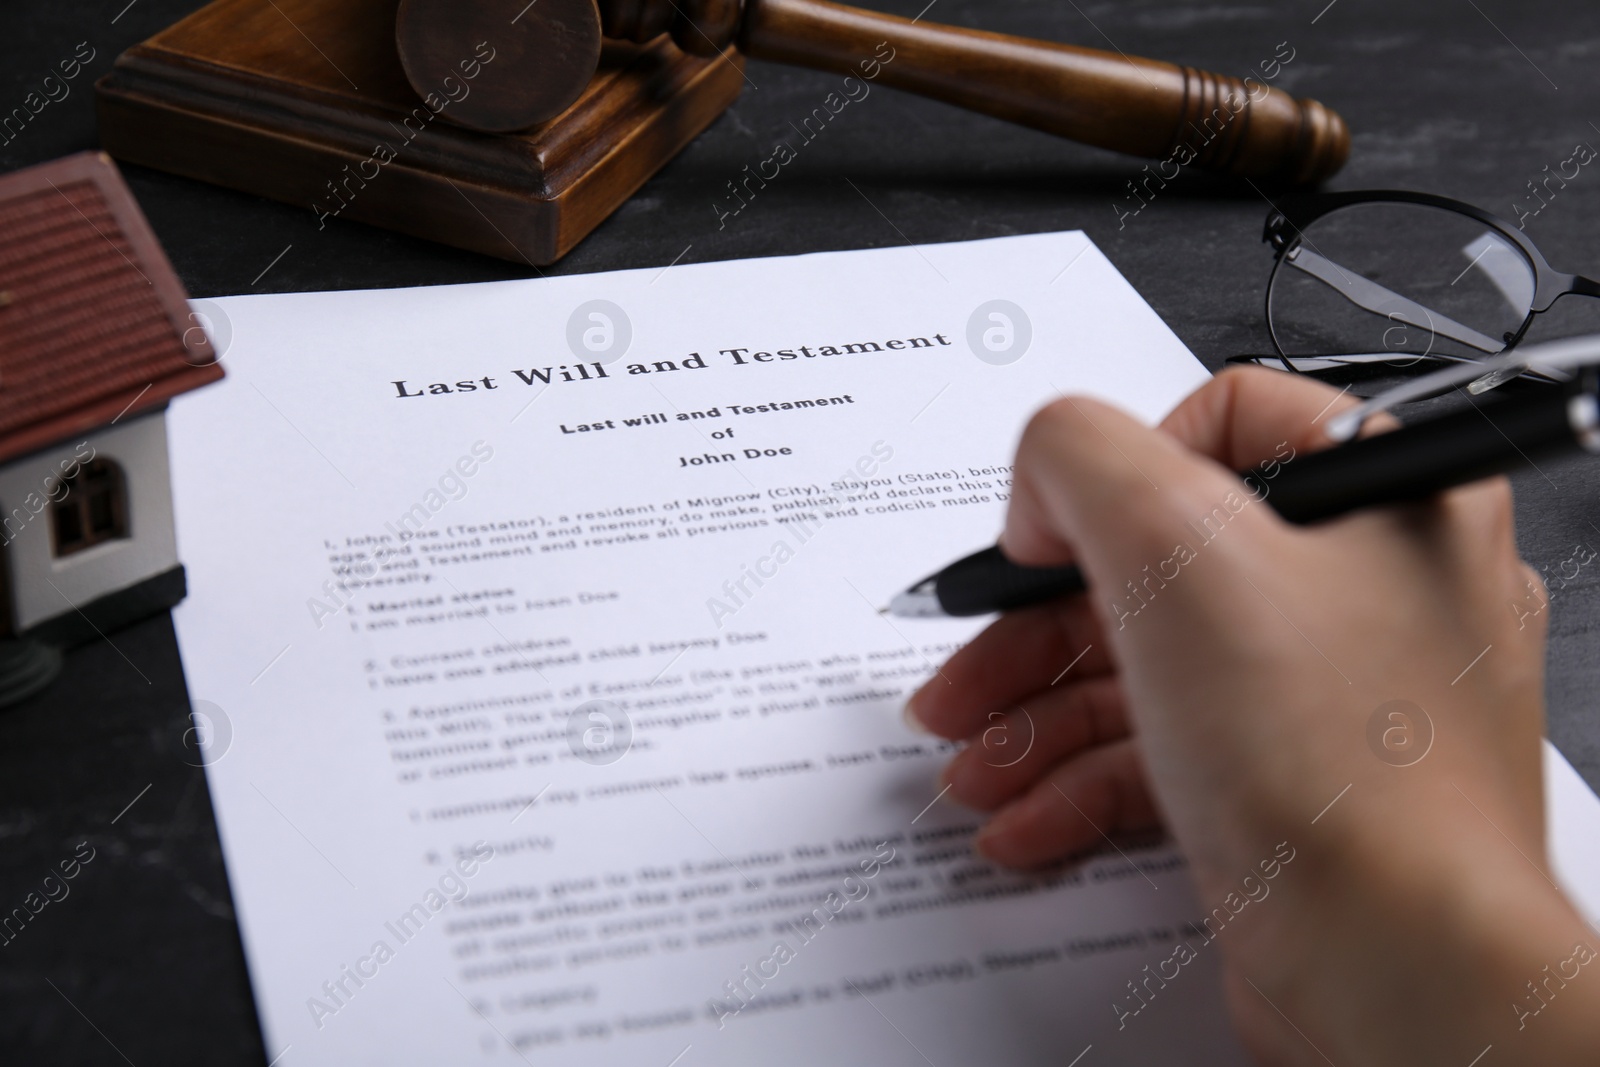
(1378, 284)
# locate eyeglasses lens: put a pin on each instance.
(1398, 285)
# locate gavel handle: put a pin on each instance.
(1140, 106)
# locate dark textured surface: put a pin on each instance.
(143, 955)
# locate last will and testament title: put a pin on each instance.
(406, 389)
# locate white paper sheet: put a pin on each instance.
(372, 741)
(1572, 815)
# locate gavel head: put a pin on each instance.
(545, 52)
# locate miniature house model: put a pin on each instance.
(95, 337)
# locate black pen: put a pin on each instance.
(1410, 463)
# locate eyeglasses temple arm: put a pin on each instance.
(1582, 286)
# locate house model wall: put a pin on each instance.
(43, 581)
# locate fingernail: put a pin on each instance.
(909, 714)
(951, 786)
(983, 844)
(993, 832)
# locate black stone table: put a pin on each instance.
(142, 963)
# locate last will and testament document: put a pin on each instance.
(548, 712)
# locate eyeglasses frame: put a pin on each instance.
(1292, 214)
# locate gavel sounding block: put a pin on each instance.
(305, 101)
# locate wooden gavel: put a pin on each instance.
(546, 52)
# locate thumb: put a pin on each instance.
(1095, 486)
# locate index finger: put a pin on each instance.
(1019, 654)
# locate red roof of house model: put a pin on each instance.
(94, 325)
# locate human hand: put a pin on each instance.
(1221, 677)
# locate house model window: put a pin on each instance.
(94, 509)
